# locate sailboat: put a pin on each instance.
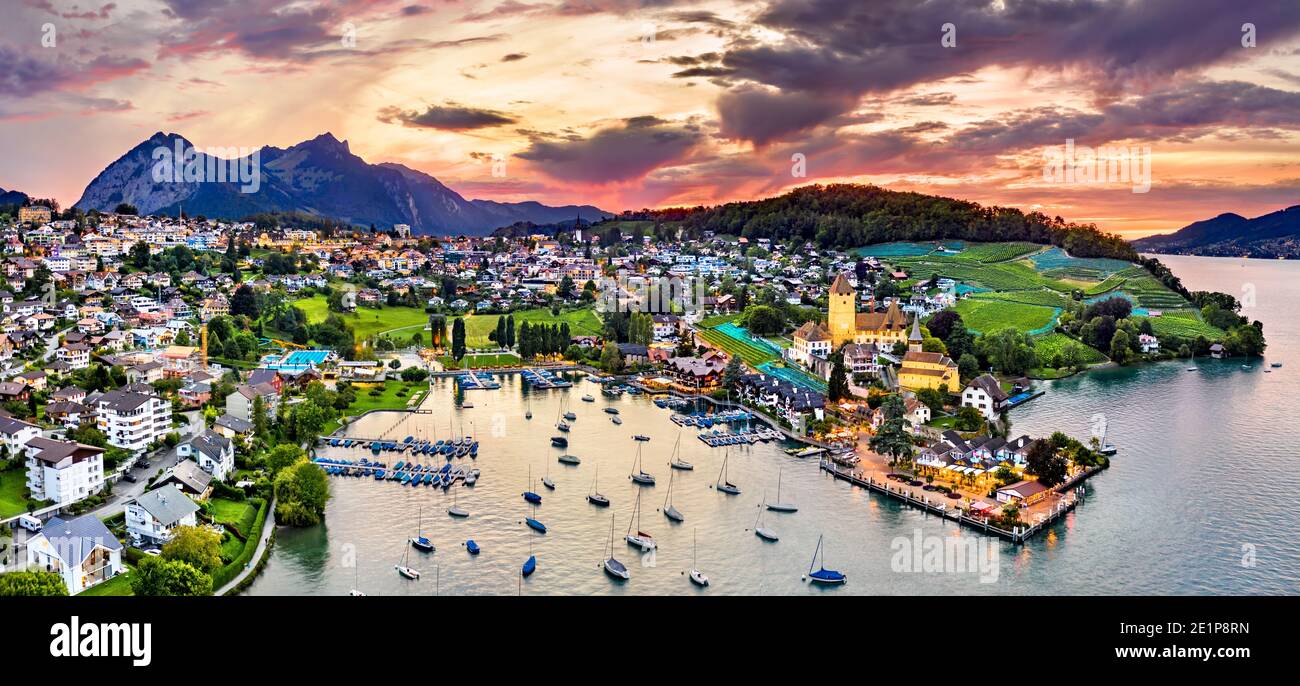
(1190, 366)
(456, 510)
(569, 459)
(761, 531)
(530, 565)
(419, 542)
(779, 506)
(613, 567)
(641, 539)
(356, 577)
(559, 418)
(823, 575)
(1106, 448)
(677, 461)
(528, 413)
(533, 523)
(546, 480)
(638, 475)
(594, 497)
(530, 496)
(723, 484)
(697, 577)
(669, 511)
(405, 570)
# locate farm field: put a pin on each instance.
(366, 321)
(987, 316)
(1183, 324)
(582, 322)
(1050, 344)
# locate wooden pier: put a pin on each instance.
(944, 508)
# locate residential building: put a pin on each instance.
(240, 403)
(152, 518)
(82, 551)
(131, 419)
(63, 472)
(985, 394)
(214, 453)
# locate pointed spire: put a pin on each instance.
(841, 286)
(916, 336)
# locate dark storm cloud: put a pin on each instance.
(447, 117)
(618, 153)
(763, 115)
(23, 75)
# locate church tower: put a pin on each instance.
(842, 316)
(915, 340)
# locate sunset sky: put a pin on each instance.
(628, 104)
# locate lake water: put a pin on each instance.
(1201, 499)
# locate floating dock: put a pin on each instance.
(544, 378)
(717, 439)
(474, 381)
(708, 420)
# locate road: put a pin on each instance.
(267, 529)
(163, 458)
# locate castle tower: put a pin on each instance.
(842, 315)
(915, 340)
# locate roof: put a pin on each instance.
(916, 336)
(234, 423)
(812, 331)
(841, 286)
(188, 474)
(166, 505)
(53, 451)
(123, 400)
(1024, 489)
(10, 426)
(211, 444)
(74, 539)
(990, 386)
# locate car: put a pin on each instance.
(130, 477)
(153, 551)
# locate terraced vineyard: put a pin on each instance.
(1052, 344)
(984, 315)
(1184, 324)
(1047, 298)
(751, 353)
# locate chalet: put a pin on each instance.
(985, 394)
(189, 478)
(82, 551)
(152, 518)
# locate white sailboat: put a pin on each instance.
(405, 570)
(639, 475)
(697, 577)
(640, 539)
(761, 531)
(669, 511)
(356, 578)
(546, 480)
(779, 506)
(613, 567)
(724, 484)
(677, 461)
(456, 510)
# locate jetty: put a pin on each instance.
(717, 439)
(544, 378)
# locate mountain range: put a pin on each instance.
(320, 176)
(1272, 235)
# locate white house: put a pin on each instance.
(214, 453)
(82, 551)
(133, 420)
(152, 518)
(240, 403)
(810, 341)
(63, 471)
(1148, 343)
(14, 434)
(985, 394)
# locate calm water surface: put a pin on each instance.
(1206, 477)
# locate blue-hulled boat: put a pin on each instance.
(535, 525)
(530, 565)
(379, 475)
(471, 546)
(823, 575)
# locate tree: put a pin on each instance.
(458, 338)
(1009, 351)
(31, 583)
(1043, 461)
(198, 546)
(893, 439)
(838, 388)
(932, 398)
(301, 492)
(763, 320)
(969, 419)
(610, 359)
(943, 323)
(156, 576)
(968, 366)
(244, 302)
(1119, 347)
(731, 373)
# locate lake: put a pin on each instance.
(1200, 499)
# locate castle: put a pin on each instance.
(846, 325)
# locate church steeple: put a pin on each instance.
(915, 340)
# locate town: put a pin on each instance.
(167, 378)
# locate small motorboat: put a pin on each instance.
(471, 547)
(640, 437)
(559, 441)
(611, 410)
(1276, 365)
(588, 398)
(535, 525)
(569, 459)
(616, 420)
(530, 565)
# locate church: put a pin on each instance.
(927, 370)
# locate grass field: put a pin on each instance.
(582, 322)
(1049, 345)
(1184, 324)
(987, 316)
(482, 361)
(119, 585)
(367, 321)
(238, 514)
(394, 395)
(12, 483)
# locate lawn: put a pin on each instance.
(367, 321)
(393, 395)
(987, 316)
(118, 586)
(582, 322)
(12, 483)
(482, 361)
(233, 512)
